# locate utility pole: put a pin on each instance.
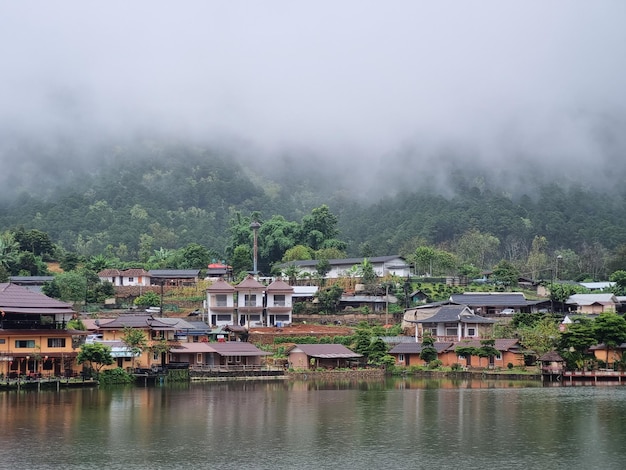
(255, 248)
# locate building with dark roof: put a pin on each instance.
(453, 323)
(34, 338)
(328, 356)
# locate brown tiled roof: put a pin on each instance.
(18, 299)
(500, 344)
(326, 351)
(228, 348)
(551, 356)
(279, 286)
(220, 285)
(109, 273)
(250, 283)
(416, 348)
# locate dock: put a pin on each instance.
(568, 377)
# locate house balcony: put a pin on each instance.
(221, 309)
(279, 309)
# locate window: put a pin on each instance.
(498, 357)
(279, 300)
(451, 331)
(24, 343)
(224, 318)
(2, 340)
(433, 331)
(471, 332)
(155, 356)
(199, 358)
(221, 300)
(250, 300)
(56, 342)
(400, 357)
(131, 279)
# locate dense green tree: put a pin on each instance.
(541, 337)
(195, 256)
(9, 251)
(329, 253)
(537, 258)
(319, 226)
(69, 287)
(135, 340)
(423, 258)
(368, 275)
(241, 259)
(506, 274)
(297, 253)
(477, 248)
(575, 341)
(276, 236)
(29, 264)
(69, 261)
(428, 352)
(95, 355)
(329, 298)
(322, 267)
(34, 241)
(619, 278)
(609, 330)
(560, 292)
(487, 349)
(149, 299)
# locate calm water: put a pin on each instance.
(396, 424)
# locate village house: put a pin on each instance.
(219, 271)
(393, 265)
(327, 356)
(510, 352)
(170, 331)
(453, 323)
(174, 277)
(493, 303)
(279, 306)
(34, 337)
(125, 277)
(250, 303)
(593, 303)
(228, 356)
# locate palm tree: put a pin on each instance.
(9, 251)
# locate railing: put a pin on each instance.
(231, 368)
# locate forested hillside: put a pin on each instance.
(140, 200)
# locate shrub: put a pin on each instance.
(456, 366)
(509, 366)
(435, 364)
(116, 376)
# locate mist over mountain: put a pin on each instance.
(415, 122)
(362, 97)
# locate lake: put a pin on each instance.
(391, 423)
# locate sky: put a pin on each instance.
(383, 92)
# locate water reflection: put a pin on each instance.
(407, 422)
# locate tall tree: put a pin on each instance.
(609, 330)
(477, 248)
(95, 355)
(135, 340)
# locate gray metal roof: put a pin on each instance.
(455, 313)
(491, 299)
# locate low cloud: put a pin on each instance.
(390, 94)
